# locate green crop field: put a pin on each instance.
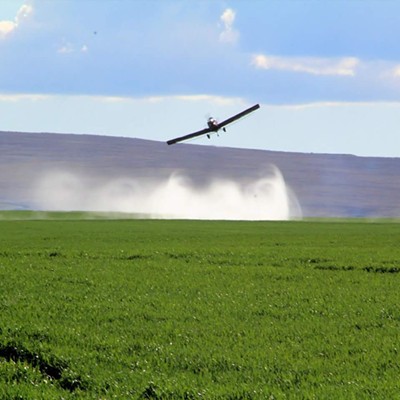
(147, 309)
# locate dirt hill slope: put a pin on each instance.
(325, 185)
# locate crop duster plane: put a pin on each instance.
(214, 126)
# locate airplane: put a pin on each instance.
(214, 126)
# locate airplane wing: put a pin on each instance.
(220, 125)
(237, 116)
(190, 136)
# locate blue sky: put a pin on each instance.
(326, 73)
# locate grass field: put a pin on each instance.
(102, 309)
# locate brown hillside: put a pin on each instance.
(325, 185)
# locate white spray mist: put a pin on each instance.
(266, 198)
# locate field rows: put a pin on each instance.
(185, 309)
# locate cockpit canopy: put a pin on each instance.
(212, 122)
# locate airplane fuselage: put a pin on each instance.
(213, 124)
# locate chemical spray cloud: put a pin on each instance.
(267, 198)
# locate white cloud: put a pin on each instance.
(6, 27)
(229, 34)
(22, 97)
(24, 12)
(329, 105)
(212, 99)
(68, 48)
(311, 65)
(396, 71)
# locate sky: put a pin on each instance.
(326, 73)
